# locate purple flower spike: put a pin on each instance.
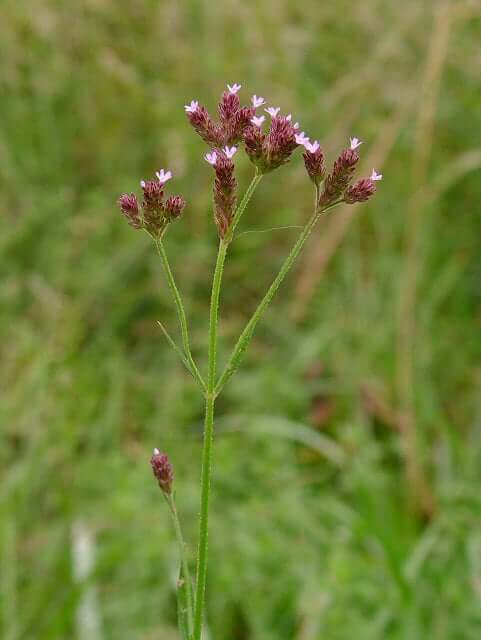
(162, 470)
(129, 206)
(314, 162)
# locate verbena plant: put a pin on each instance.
(267, 150)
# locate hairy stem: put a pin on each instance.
(208, 439)
(180, 312)
(246, 335)
(183, 561)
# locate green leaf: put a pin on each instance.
(184, 604)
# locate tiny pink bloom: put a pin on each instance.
(211, 158)
(312, 147)
(289, 117)
(142, 183)
(156, 452)
(234, 88)
(257, 101)
(296, 125)
(301, 138)
(229, 152)
(376, 176)
(272, 111)
(355, 143)
(258, 120)
(192, 107)
(163, 176)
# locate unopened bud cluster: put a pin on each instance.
(153, 214)
(162, 470)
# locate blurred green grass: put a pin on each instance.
(320, 526)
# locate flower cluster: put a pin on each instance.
(162, 470)
(154, 214)
(267, 150)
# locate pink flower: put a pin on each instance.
(142, 183)
(258, 120)
(312, 147)
(192, 107)
(211, 158)
(355, 143)
(296, 125)
(375, 176)
(257, 102)
(301, 138)
(234, 88)
(229, 152)
(156, 452)
(272, 111)
(163, 176)
(289, 117)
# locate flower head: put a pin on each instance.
(355, 143)
(258, 120)
(174, 205)
(376, 176)
(163, 176)
(301, 138)
(192, 107)
(257, 101)
(339, 178)
(229, 152)
(162, 470)
(234, 88)
(211, 158)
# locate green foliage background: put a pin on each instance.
(320, 529)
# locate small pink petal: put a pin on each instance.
(258, 120)
(229, 152)
(234, 88)
(257, 101)
(273, 111)
(376, 176)
(211, 158)
(355, 143)
(192, 107)
(163, 176)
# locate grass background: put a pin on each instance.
(348, 453)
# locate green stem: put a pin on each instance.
(246, 335)
(244, 202)
(183, 560)
(208, 439)
(180, 312)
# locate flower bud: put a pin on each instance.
(207, 129)
(162, 470)
(361, 191)
(129, 206)
(174, 205)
